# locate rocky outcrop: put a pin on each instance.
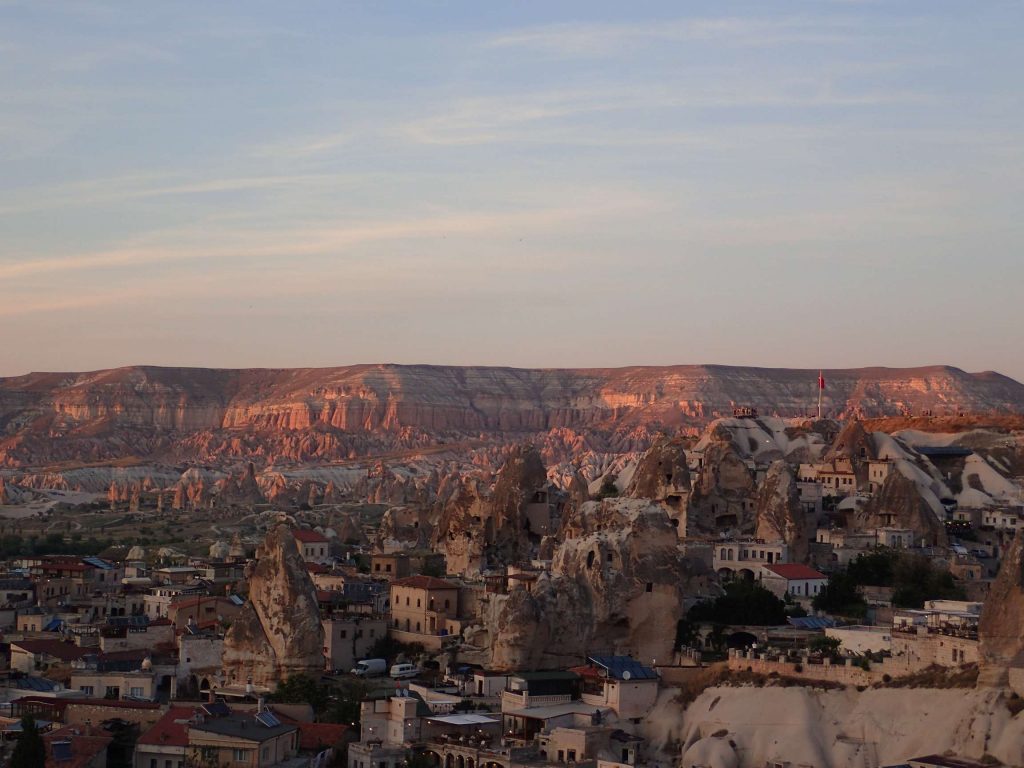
(780, 516)
(662, 475)
(240, 490)
(478, 528)
(618, 581)
(278, 632)
(900, 504)
(305, 414)
(855, 443)
(723, 494)
(1001, 629)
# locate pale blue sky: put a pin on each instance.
(530, 183)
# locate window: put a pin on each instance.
(418, 602)
(447, 604)
(388, 568)
(240, 755)
(649, 587)
(86, 689)
(137, 693)
(113, 692)
(571, 755)
(343, 634)
(152, 762)
(168, 763)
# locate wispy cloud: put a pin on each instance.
(600, 39)
(121, 189)
(304, 146)
(316, 241)
(516, 118)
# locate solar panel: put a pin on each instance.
(61, 751)
(217, 709)
(98, 563)
(268, 719)
(625, 668)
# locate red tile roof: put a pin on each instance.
(56, 648)
(307, 536)
(316, 736)
(794, 571)
(171, 730)
(85, 746)
(424, 582)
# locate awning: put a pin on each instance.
(463, 719)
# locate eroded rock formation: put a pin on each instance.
(617, 580)
(780, 516)
(278, 632)
(479, 529)
(723, 494)
(662, 475)
(1001, 629)
(899, 504)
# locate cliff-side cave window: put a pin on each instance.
(650, 587)
(590, 559)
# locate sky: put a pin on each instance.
(236, 184)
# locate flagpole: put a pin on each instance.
(819, 394)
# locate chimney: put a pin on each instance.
(261, 705)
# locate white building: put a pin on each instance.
(742, 557)
(794, 579)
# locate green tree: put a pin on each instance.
(301, 689)
(744, 602)
(826, 646)
(30, 751)
(840, 596)
(874, 568)
(608, 488)
(686, 634)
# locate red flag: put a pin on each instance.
(821, 381)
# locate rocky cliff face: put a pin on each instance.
(618, 582)
(780, 516)
(1001, 630)
(179, 411)
(480, 527)
(662, 474)
(899, 503)
(723, 494)
(278, 633)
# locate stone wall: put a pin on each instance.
(911, 653)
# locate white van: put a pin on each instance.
(400, 671)
(370, 667)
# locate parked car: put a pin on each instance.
(400, 671)
(370, 667)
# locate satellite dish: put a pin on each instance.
(626, 675)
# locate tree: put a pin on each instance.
(744, 602)
(301, 689)
(30, 751)
(826, 646)
(686, 634)
(840, 596)
(608, 488)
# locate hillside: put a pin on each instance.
(151, 411)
